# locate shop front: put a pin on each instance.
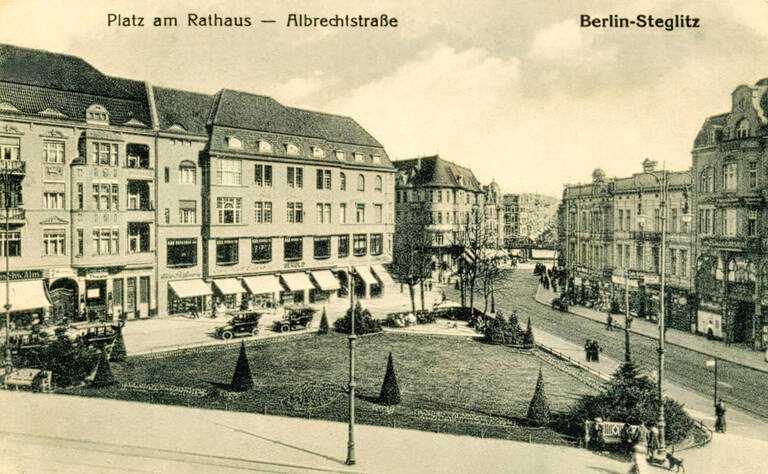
(387, 283)
(185, 296)
(327, 286)
(298, 285)
(366, 285)
(227, 294)
(29, 303)
(263, 291)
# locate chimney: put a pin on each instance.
(649, 165)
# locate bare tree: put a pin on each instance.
(476, 238)
(411, 256)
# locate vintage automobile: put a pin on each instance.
(242, 323)
(295, 317)
(559, 304)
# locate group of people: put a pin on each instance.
(592, 350)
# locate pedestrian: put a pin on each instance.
(710, 330)
(627, 438)
(588, 350)
(653, 441)
(609, 321)
(596, 351)
(720, 417)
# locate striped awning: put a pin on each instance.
(366, 275)
(263, 284)
(229, 286)
(326, 280)
(191, 288)
(297, 281)
(383, 275)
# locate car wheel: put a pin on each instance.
(285, 328)
(227, 335)
(255, 332)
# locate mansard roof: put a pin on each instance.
(189, 110)
(435, 171)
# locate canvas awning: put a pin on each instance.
(263, 284)
(297, 281)
(326, 280)
(191, 288)
(25, 295)
(229, 286)
(366, 275)
(383, 275)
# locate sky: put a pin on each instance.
(515, 90)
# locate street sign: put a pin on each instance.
(710, 363)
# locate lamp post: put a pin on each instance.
(351, 440)
(6, 198)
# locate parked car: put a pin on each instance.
(242, 323)
(559, 304)
(295, 317)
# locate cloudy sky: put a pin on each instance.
(516, 90)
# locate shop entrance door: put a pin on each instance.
(63, 304)
(130, 297)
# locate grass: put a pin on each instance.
(447, 384)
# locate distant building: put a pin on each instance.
(528, 216)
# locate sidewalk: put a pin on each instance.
(79, 434)
(753, 359)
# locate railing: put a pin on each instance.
(17, 166)
(652, 236)
(13, 214)
(750, 244)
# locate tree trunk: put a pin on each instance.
(413, 297)
(461, 288)
(493, 299)
(421, 286)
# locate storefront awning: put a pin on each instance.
(190, 288)
(25, 295)
(259, 285)
(325, 280)
(229, 286)
(366, 275)
(297, 281)
(383, 275)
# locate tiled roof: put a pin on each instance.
(188, 109)
(260, 113)
(702, 139)
(435, 171)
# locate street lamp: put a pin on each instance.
(6, 198)
(351, 440)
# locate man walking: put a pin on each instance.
(720, 417)
(609, 321)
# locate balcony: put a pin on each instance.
(13, 166)
(739, 244)
(15, 215)
(650, 236)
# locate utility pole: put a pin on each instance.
(663, 205)
(627, 321)
(351, 441)
(7, 307)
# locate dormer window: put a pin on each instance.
(339, 155)
(291, 149)
(742, 130)
(713, 134)
(358, 157)
(317, 152)
(376, 159)
(97, 114)
(265, 147)
(233, 142)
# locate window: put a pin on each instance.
(376, 159)
(377, 213)
(96, 114)
(438, 241)
(262, 175)
(167, 216)
(261, 250)
(295, 177)
(188, 212)
(13, 240)
(9, 148)
(626, 256)
(339, 155)
(262, 212)
(323, 179)
(80, 195)
(293, 249)
(265, 146)
(752, 174)
(104, 153)
(742, 129)
(53, 200)
(639, 257)
(291, 149)
(673, 221)
(105, 196)
(358, 157)
(228, 210)
(752, 223)
(673, 261)
(377, 186)
(655, 258)
(317, 152)
(628, 219)
(181, 252)
(343, 182)
(729, 176)
(360, 214)
(233, 142)
(53, 152)
(360, 243)
(226, 251)
(322, 247)
(730, 217)
(323, 213)
(80, 243)
(377, 243)
(684, 263)
(228, 172)
(343, 213)
(144, 289)
(295, 212)
(187, 173)
(137, 156)
(138, 237)
(360, 182)
(167, 174)
(619, 263)
(106, 241)
(707, 180)
(343, 246)
(657, 220)
(53, 242)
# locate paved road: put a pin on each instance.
(739, 386)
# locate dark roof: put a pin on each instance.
(188, 109)
(435, 171)
(242, 110)
(702, 139)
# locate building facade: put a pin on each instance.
(529, 217)
(125, 200)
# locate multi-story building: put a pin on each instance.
(128, 200)
(494, 214)
(731, 188)
(528, 216)
(444, 196)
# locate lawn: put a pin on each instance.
(450, 384)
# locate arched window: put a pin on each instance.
(360, 182)
(229, 213)
(377, 184)
(742, 129)
(343, 181)
(265, 146)
(187, 172)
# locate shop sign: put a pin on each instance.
(97, 274)
(56, 273)
(651, 279)
(16, 275)
(294, 265)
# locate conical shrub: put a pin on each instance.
(242, 379)
(103, 377)
(528, 336)
(119, 353)
(390, 392)
(324, 327)
(538, 410)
